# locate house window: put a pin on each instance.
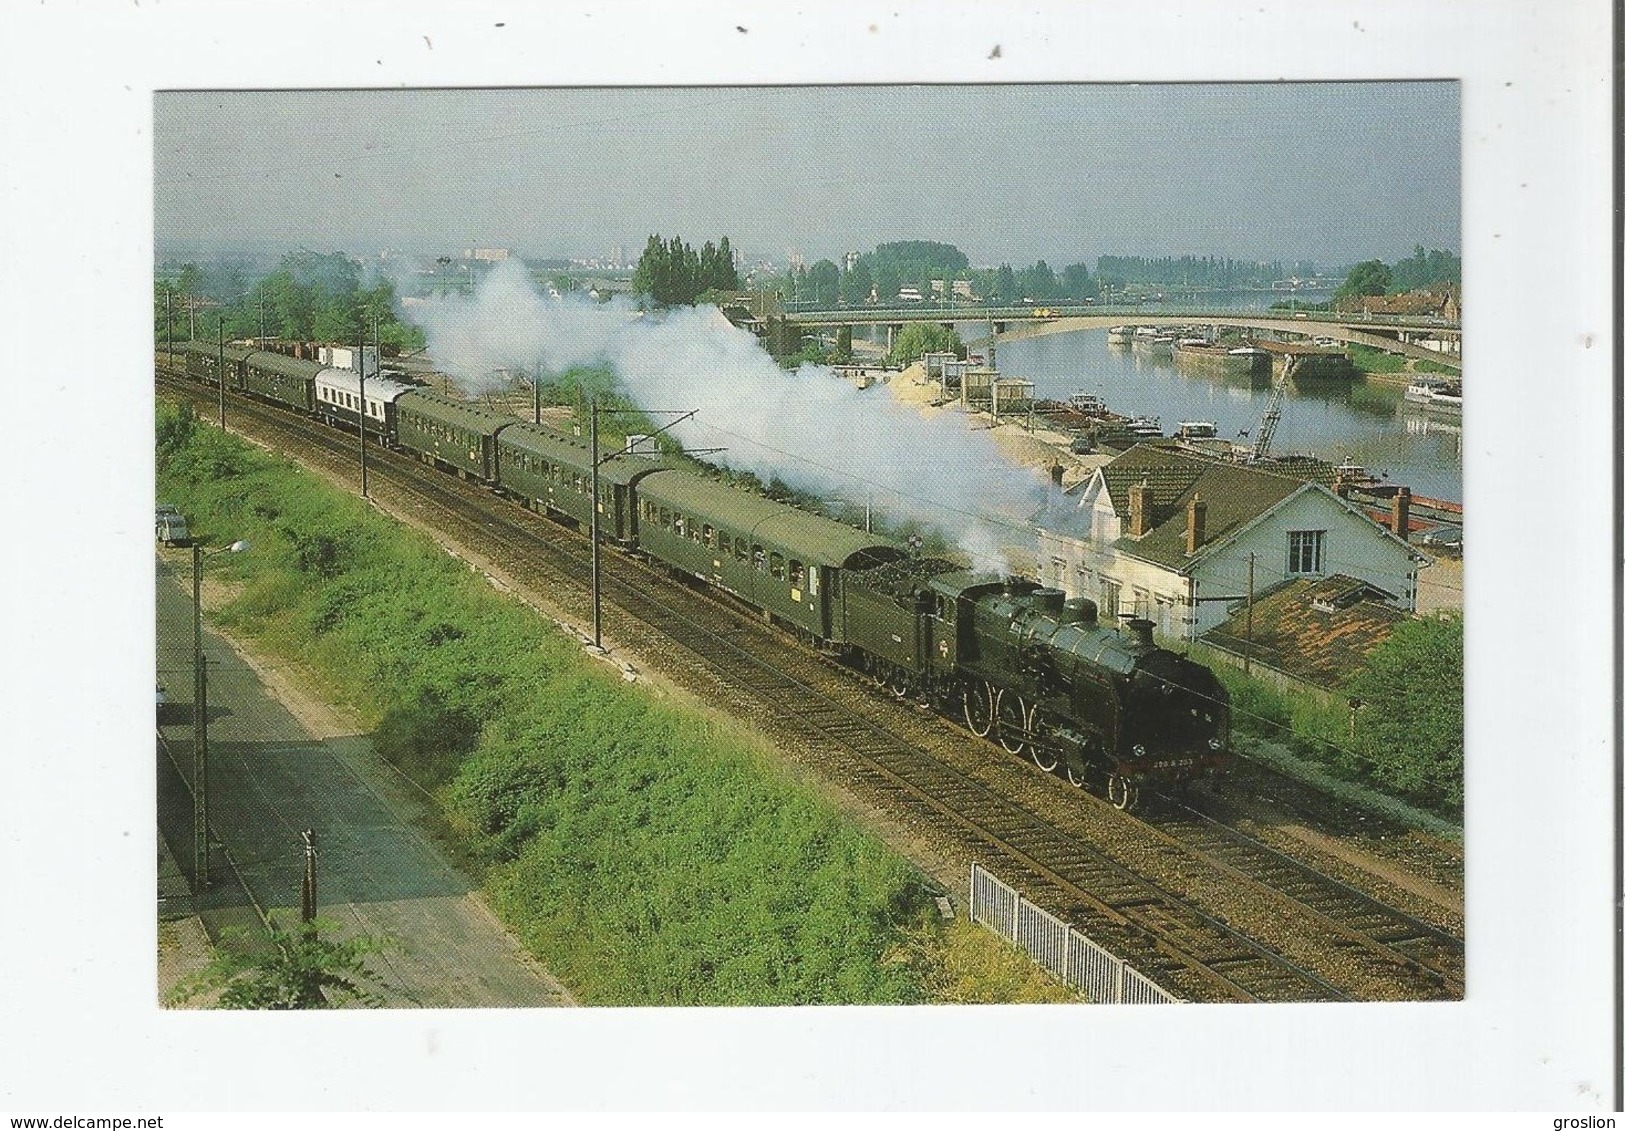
(1108, 599)
(1306, 551)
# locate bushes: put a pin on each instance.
(426, 737)
(1406, 735)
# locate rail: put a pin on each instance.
(1060, 948)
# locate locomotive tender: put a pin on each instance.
(1020, 663)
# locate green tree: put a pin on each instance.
(1369, 278)
(671, 273)
(825, 281)
(1409, 724)
(1076, 283)
(300, 970)
(924, 337)
(856, 284)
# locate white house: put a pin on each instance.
(1180, 540)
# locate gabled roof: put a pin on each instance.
(1236, 496)
(1320, 630)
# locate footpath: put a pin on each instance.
(280, 762)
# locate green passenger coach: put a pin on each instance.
(784, 561)
(550, 471)
(448, 433)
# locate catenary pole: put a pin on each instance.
(307, 891)
(200, 731)
(220, 358)
(597, 619)
(361, 373)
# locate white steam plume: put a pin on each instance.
(809, 428)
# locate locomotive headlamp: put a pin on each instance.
(1139, 752)
(1214, 744)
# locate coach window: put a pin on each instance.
(709, 536)
(680, 525)
(798, 575)
(665, 518)
(741, 552)
(758, 558)
(776, 566)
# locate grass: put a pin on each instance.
(646, 855)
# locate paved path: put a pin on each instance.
(379, 873)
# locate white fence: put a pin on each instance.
(1092, 970)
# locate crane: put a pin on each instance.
(1272, 411)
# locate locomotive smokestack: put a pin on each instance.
(1195, 524)
(1139, 509)
(1139, 631)
(1079, 610)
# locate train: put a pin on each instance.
(1020, 664)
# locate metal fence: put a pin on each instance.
(1085, 966)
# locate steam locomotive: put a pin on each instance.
(1021, 664)
(1039, 673)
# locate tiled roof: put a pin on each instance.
(1318, 630)
(1234, 495)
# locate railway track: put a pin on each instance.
(715, 648)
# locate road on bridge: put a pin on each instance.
(274, 771)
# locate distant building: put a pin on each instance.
(486, 254)
(1169, 536)
(1443, 301)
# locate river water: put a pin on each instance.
(1365, 421)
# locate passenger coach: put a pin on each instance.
(550, 471)
(338, 400)
(784, 561)
(452, 434)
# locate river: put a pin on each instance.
(1364, 421)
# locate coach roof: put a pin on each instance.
(809, 537)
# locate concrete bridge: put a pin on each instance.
(1392, 333)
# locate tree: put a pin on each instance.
(674, 274)
(1076, 283)
(825, 281)
(1409, 723)
(300, 970)
(924, 337)
(1369, 278)
(855, 284)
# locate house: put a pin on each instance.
(1442, 301)
(1181, 539)
(1313, 632)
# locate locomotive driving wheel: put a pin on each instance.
(1011, 713)
(978, 698)
(1077, 777)
(1043, 756)
(1123, 792)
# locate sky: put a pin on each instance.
(1329, 172)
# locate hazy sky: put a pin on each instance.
(1329, 172)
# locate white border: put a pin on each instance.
(78, 1029)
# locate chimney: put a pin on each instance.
(1195, 524)
(1139, 509)
(1400, 516)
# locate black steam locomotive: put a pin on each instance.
(1040, 674)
